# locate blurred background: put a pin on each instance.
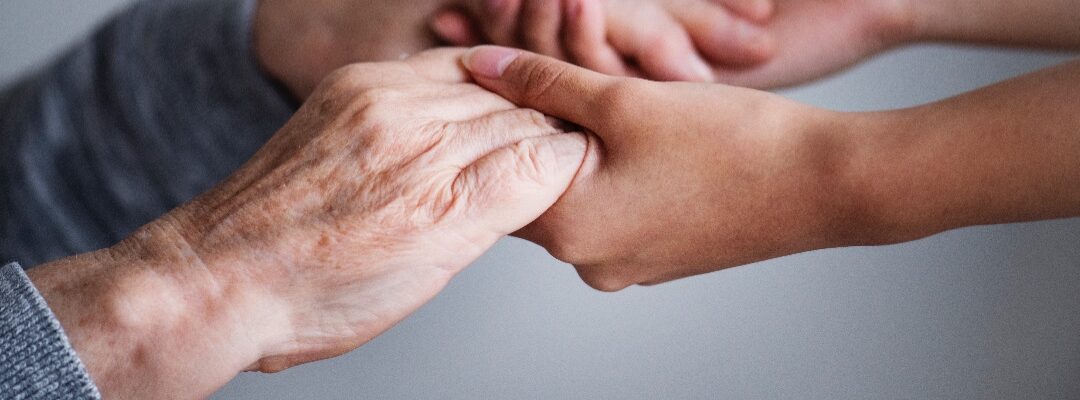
(981, 313)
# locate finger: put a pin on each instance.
(459, 102)
(586, 38)
(439, 65)
(426, 102)
(541, 21)
(475, 138)
(722, 37)
(758, 11)
(542, 83)
(497, 19)
(454, 27)
(513, 185)
(659, 44)
(770, 75)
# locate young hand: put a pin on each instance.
(680, 178)
(657, 39)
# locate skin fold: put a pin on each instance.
(683, 179)
(300, 42)
(389, 181)
(394, 176)
(657, 39)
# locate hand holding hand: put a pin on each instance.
(816, 38)
(680, 179)
(657, 39)
(390, 180)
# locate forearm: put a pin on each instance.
(148, 321)
(1006, 153)
(1040, 23)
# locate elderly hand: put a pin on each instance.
(389, 181)
(680, 179)
(657, 39)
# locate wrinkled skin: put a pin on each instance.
(390, 180)
(369, 213)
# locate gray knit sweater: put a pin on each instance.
(154, 108)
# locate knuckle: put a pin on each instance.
(528, 157)
(379, 98)
(349, 78)
(540, 80)
(567, 244)
(376, 109)
(603, 280)
(532, 118)
(567, 251)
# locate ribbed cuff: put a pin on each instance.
(36, 359)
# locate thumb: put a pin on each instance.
(513, 185)
(542, 83)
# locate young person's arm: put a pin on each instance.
(686, 178)
(817, 38)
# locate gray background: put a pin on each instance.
(982, 313)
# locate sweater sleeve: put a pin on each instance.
(158, 105)
(36, 359)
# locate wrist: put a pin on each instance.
(878, 199)
(145, 311)
(847, 160)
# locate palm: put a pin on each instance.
(818, 37)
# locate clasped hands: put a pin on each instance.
(393, 177)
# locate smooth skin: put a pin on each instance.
(682, 179)
(815, 38)
(300, 42)
(656, 39)
(389, 181)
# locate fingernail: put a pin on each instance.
(489, 61)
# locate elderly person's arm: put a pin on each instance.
(159, 104)
(388, 182)
(154, 108)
